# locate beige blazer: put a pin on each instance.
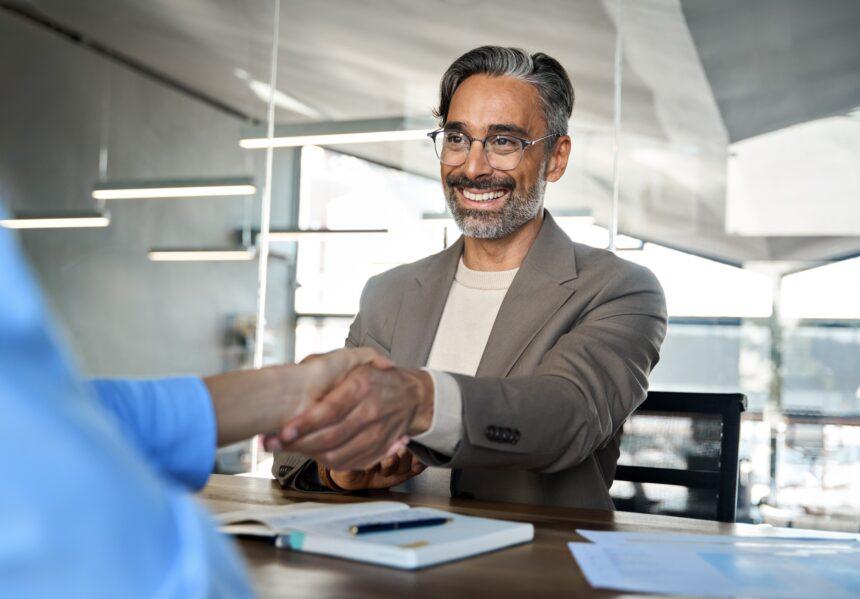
(566, 363)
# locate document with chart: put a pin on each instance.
(717, 566)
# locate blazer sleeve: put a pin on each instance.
(583, 390)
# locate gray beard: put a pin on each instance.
(482, 224)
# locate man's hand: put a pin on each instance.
(318, 374)
(355, 426)
(390, 472)
(248, 402)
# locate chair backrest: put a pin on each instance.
(684, 440)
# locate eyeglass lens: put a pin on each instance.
(503, 152)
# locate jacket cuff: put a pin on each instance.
(295, 472)
(446, 430)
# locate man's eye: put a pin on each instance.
(453, 138)
(504, 144)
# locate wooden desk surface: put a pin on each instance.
(543, 568)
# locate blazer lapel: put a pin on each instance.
(422, 306)
(542, 285)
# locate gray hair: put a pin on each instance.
(542, 71)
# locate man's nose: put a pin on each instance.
(476, 162)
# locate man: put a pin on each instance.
(94, 495)
(536, 348)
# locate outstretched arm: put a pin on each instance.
(178, 422)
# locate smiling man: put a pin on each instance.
(534, 349)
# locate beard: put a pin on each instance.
(520, 207)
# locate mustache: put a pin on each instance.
(483, 183)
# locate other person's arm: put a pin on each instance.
(177, 423)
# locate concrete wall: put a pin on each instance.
(123, 314)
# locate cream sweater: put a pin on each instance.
(467, 320)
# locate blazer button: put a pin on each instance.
(506, 435)
(491, 433)
(516, 437)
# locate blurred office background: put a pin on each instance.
(737, 170)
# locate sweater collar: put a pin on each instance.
(484, 279)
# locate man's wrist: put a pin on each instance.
(289, 390)
(423, 418)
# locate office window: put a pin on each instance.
(339, 191)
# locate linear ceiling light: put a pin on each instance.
(329, 139)
(177, 188)
(203, 255)
(57, 221)
(306, 234)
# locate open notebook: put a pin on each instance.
(325, 529)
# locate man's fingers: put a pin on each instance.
(272, 443)
(355, 454)
(413, 464)
(390, 465)
(368, 355)
(324, 371)
(310, 358)
(350, 479)
(330, 433)
(332, 408)
(345, 360)
(381, 362)
(364, 449)
(389, 461)
(393, 461)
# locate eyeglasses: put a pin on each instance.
(503, 152)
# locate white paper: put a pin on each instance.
(714, 566)
(787, 538)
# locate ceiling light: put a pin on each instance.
(179, 188)
(56, 221)
(330, 139)
(307, 234)
(263, 91)
(326, 133)
(203, 255)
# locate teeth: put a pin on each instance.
(482, 197)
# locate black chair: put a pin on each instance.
(683, 440)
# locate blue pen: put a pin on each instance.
(360, 529)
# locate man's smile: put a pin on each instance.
(482, 199)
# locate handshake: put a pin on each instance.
(354, 412)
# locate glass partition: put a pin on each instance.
(753, 248)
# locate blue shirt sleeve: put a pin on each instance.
(83, 512)
(170, 421)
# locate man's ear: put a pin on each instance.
(558, 159)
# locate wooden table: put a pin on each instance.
(543, 568)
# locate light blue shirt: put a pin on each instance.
(94, 480)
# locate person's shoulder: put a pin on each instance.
(403, 274)
(608, 271)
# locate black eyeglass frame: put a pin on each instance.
(525, 143)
